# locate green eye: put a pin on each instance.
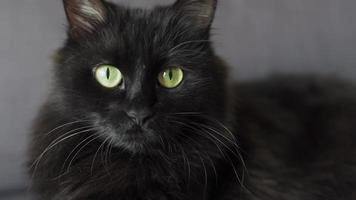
(108, 76)
(171, 77)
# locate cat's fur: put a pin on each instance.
(281, 138)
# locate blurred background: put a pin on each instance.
(256, 37)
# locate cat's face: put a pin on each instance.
(140, 76)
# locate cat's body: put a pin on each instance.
(300, 138)
(282, 138)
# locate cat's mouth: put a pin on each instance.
(131, 137)
(128, 135)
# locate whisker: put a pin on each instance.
(107, 152)
(185, 43)
(199, 114)
(86, 144)
(212, 129)
(64, 125)
(238, 155)
(75, 148)
(38, 160)
(112, 142)
(69, 132)
(217, 145)
(214, 169)
(103, 154)
(234, 140)
(95, 155)
(225, 145)
(205, 173)
(211, 161)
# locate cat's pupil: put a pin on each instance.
(107, 73)
(170, 74)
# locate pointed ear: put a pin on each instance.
(84, 16)
(201, 11)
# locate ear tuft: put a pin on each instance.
(84, 15)
(201, 11)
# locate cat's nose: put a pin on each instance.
(140, 116)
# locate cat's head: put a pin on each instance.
(144, 78)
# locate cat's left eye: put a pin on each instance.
(171, 77)
(108, 76)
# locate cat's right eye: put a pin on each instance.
(108, 76)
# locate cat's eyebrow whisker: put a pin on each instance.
(187, 42)
(187, 53)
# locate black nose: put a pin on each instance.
(140, 116)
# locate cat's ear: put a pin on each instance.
(202, 12)
(84, 16)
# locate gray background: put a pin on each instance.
(256, 37)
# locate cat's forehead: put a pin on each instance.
(154, 21)
(142, 35)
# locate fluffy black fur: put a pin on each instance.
(282, 138)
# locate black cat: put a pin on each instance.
(141, 110)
